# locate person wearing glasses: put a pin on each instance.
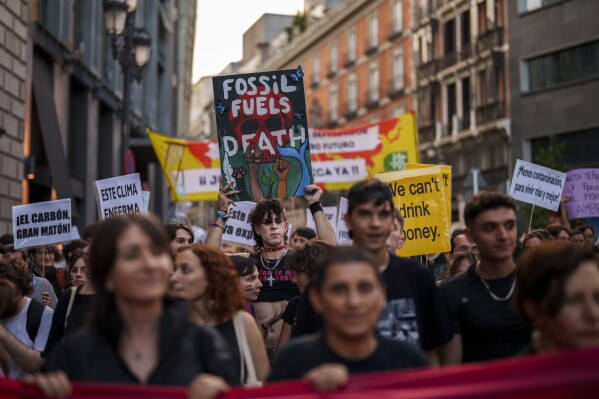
(269, 223)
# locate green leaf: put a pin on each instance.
(265, 179)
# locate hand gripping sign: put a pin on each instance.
(537, 185)
(420, 195)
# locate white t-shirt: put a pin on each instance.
(17, 326)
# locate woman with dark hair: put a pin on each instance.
(205, 276)
(558, 293)
(559, 232)
(135, 335)
(247, 270)
(77, 269)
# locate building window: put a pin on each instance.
(449, 37)
(451, 105)
(396, 15)
(482, 17)
(315, 70)
(333, 105)
(465, 103)
(373, 30)
(561, 66)
(529, 5)
(579, 148)
(397, 69)
(373, 82)
(332, 58)
(352, 93)
(351, 45)
(483, 88)
(465, 29)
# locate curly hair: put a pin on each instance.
(486, 201)
(306, 260)
(14, 273)
(262, 209)
(224, 296)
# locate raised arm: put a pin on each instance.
(324, 230)
(215, 230)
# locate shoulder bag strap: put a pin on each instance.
(69, 307)
(244, 351)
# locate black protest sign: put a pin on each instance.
(263, 133)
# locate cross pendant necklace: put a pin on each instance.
(270, 278)
(271, 269)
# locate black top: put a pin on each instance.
(50, 276)
(290, 310)
(414, 312)
(307, 321)
(77, 317)
(490, 329)
(277, 284)
(227, 331)
(303, 354)
(185, 350)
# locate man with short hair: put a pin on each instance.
(478, 302)
(179, 235)
(24, 333)
(459, 243)
(349, 294)
(300, 237)
(41, 264)
(414, 312)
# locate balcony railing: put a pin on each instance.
(348, 60)
(395, 89)
(426, 134)
(370, 46)
(372, 98)
(428, 70)
(351, 110)
(490, 112)
(395, 31)
(489, 39)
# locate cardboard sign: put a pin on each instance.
(537, 185)
(119, 196)
(420, 195)
(329, 211)
(42, 223)
(263, 133)
(75, 233)
(343, 238)
(238, 229)
(582, 190)
(341, 157)
(145, 196)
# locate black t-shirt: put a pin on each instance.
(276, 278)
(307, 321)
(489, 329)
(303, 354)
(290, 310)
(414, 312)
(79, 312)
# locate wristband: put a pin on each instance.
(223, 216)
(217, 225)
(316, 207)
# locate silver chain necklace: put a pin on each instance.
(499, 298)
(270, 269)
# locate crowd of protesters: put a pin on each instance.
(135, 302)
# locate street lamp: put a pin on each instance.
(131, 47)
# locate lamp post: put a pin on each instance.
(131, 47)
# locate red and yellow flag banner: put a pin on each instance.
(191, 168)
(341, 157)
(564, 375)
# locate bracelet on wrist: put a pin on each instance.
(217, 225)
(315, 207)
(224, 216)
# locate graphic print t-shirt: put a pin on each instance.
(414, 312)
(277, 284)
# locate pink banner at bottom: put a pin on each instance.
(565, 375)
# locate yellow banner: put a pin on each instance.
(191, 168)
(341, 157)
(423, 197)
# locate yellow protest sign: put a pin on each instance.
(446, 169)
(423, 197)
